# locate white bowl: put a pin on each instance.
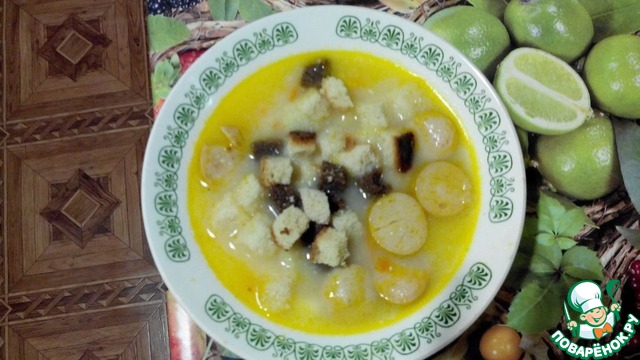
(461, 86)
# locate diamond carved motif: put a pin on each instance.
(74, 47)
(80, 208)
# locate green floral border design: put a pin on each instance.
(465, 85)
(405, 342)
(487, 119)
(184, 117)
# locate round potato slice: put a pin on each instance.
(401, 285)
(443, 189)
(398, 223)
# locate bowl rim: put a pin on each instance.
(360, 29)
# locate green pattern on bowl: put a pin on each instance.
(404, 342)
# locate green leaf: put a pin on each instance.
(536, 308)
(632, 235)
(165, 32)
(223, 9)
(628, 145)
(612, 17)
(162, 79)
(567, 281)
(560, 217)
(254, 9)
(545, 259)
(565, 243)
(582, 263)
(495, 7)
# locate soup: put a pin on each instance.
(333, 192)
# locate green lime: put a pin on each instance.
(476, 33)
(612, 72)
(542, 93)
(562, 28)
(582, 164)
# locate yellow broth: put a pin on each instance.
(250, 108)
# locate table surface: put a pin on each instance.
(201, 32)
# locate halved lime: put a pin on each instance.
(542, 93)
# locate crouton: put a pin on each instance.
(405, 144)
(372, 183)
(248, 192)
(256, 235)
(305, 173)
(227, 216)
(289, 226)
(306, 110)
(309, 236)
(371, 115)
(301, 142)
(330, 248)
(276, 294)
(405, 103)
(358, 160)
(315, 205)
(330, 143)
(336, 93)
(348, 222)
(216, 161)
(283, 196)
(275, 170)
(333, 178)
(313, 74)
(262, 148)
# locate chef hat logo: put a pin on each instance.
(585, 296)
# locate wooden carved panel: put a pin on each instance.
(74, 47)
(35, 92)
(36, 258)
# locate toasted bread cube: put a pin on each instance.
(248, 192)
(306, 110)
(333, 89)
(228, 216)
(301, 142)
(275, 170)
(330, 248)
(289, 226)
(330, 143)
(371, 115)
(405, 103)
(277, 293)
(256, 235)
(358, 160)
(348, 222)
(315, 205)
(266, 147)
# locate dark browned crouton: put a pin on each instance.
(372, 183)
(283, 196)
(302, 142)
(404, 151)
(336, 202)
(309, 235)
(313, 74)
(262, 148)
(333, 178)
